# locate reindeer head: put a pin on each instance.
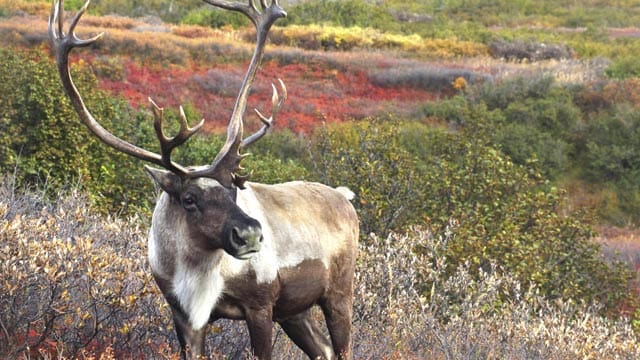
(203, 196)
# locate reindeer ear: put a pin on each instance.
(167, 180)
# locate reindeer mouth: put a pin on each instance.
(246, 255)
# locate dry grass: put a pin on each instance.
(77, 285)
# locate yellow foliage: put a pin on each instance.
(459, 83)
(315, 37)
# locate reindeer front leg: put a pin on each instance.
(191, 340)
(260, 325)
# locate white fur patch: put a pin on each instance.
(346, 192)
(288, 251)
(198, 291)
(265, 262)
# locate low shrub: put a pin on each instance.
(347, 13)
(529, 51)
(75, 285)
(623, 68)
(215, 18)
(430, 79)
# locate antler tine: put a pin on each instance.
(167, 144)
(62, 45)
(68, 41)
(276, 105)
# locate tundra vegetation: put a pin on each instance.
(485, 143)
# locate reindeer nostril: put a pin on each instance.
(236, 238)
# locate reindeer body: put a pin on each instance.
(220, 247)
(307, 257)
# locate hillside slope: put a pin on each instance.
(202, 68)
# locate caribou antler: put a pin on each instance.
(62, 45)
(227, 162)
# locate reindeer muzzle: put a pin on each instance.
(243, 241)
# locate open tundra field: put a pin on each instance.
(493, 148)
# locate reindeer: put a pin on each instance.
(223, 247)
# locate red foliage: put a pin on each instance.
(316, 94)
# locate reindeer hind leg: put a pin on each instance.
(306, 333)
(337, 309)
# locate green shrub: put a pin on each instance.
(611, 158)
(623, 68)
(367, 157)
(504, 213)
(277, 157)
(41, 132)
(345, 13)
(522, 142)
(215, 18)
(500, 96)
(530, 118)
(612, 146)
(508, 215)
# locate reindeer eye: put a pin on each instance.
(189, 202)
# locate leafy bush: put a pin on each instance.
(524, 142)
(530, 118)
(215, 18)
(47, 142)
(627, 67)
(507, 214)
(368, 158)
(611, 156)
(347, 13)
(501, 95)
